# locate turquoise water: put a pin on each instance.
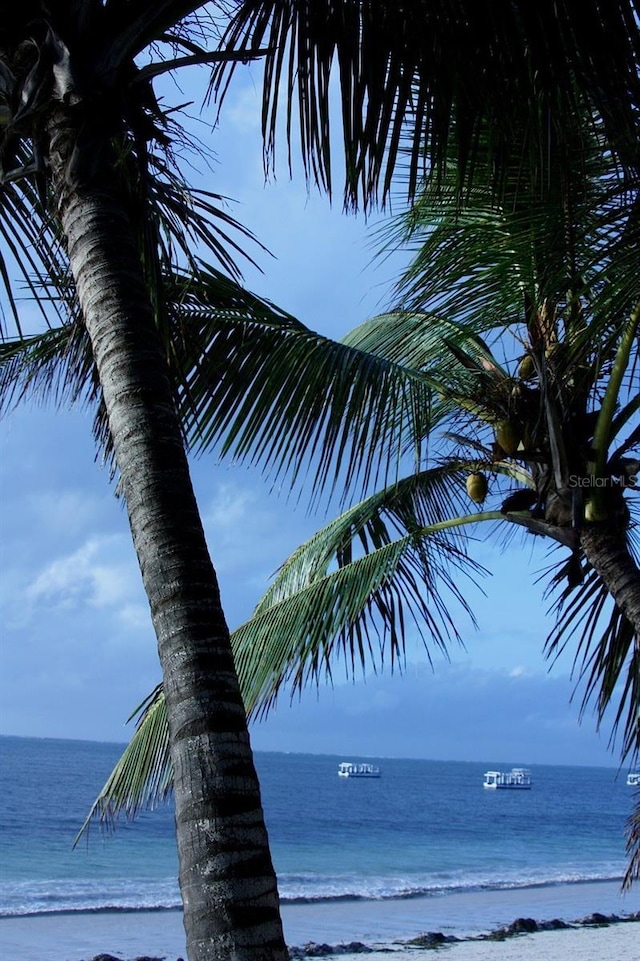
(424, 827)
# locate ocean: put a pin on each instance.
(424, 829)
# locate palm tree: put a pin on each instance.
(524, 314)
(522, 318)
(85, 151)
(215, 334)
(93, 210)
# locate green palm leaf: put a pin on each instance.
(143, 777)
(606, 657)
(252, 381)
(396, 580)
(438, 73)
(490, 260)
(633, 849)
(387, 567)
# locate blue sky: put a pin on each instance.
(77, 651)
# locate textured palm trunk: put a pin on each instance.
(606, 550)
(227, 880)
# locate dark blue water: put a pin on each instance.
(423, 827)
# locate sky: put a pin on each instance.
(77, 651)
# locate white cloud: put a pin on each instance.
(95, 575)
(518, 671)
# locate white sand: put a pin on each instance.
(60, 939)
(72, 937)
(618, 942)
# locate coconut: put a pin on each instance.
(477, 487)
(526, 368)
(508, 436)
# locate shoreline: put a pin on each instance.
(467, 926)
(462, 913)
(330, 900)
(594, 938)
(585, 940)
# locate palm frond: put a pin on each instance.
(171, 219)
(269, 390)
(419, 340)
(397, 556)
(252, 382)
(470, 384)
(352, 592)
(488, 259)
(56, 364)
(633, 849)
(606, 656)
(132, 27)
(603, 431)
(436, 71)
(32, 249)
(143, 777)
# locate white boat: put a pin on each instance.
(633, 779)
(348, 769)
(517, 779)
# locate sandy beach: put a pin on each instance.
(58, 940)
(619, 942)
(384, 927)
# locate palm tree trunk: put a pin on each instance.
(606, 550)
(227, 879)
